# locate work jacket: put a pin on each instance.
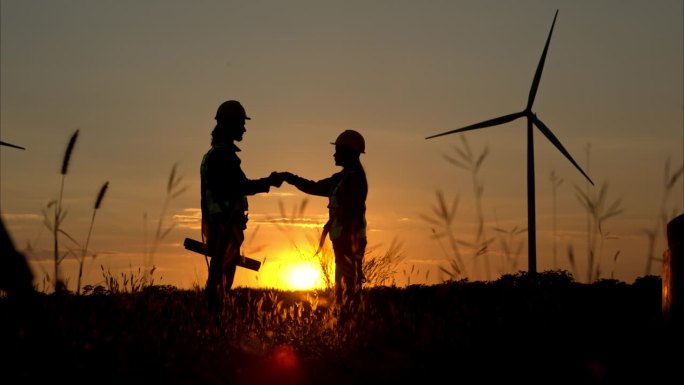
(346, 191)
(224, 187)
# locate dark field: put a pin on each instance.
(516, 329)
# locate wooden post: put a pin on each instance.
(673, 276)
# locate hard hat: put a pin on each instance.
(231, 109)
(351, 139)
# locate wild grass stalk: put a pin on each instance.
(325, 258)
(296, 218)
(84, 250)
(173, 191)
(669, 182)
(444, 215)
(599, 210)
(466, 159)
(131, 282)
(443, 218)
(511, 247)
(379, 269)
(59, 214)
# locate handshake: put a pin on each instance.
(276, 178)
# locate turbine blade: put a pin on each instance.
(540, 67)
(552, 138)
(486, 123)
(10, 145)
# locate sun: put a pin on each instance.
(303, 276)
(291, 271)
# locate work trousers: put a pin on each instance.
(223, 242)
(348, 273)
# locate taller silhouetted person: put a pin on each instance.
(346, 191)
(224, 190)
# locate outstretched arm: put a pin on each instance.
(321, 187)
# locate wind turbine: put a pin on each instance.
(532, 120)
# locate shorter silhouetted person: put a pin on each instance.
(224, 190)
(346, 191)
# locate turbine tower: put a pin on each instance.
(532, 120)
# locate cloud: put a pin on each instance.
(21, 217)
(192, 219)
(427, 261)
(279, 194)
(290, 222)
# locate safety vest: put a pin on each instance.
(335, 225)
(212, 203)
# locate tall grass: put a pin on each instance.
(599, 210)
(324, 255)
(84, 250)
(378, 267)
(54, 215)
(54, 222)
(467, 160)
(136, 281)
(443, 221)
(162, 229)
(596, 204)
(444, 215)
(419, 334)
(663, 217)
(133, 281)
(511, 247)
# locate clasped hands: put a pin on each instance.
(276, 178)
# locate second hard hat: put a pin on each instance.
(351, 139)
(231, 109)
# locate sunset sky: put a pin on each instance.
(141, 80)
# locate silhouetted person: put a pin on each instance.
(224, 191)
(346, 191)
